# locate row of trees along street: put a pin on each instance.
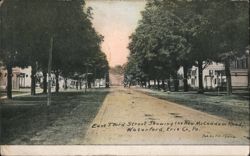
(176, 33)
(33, 29)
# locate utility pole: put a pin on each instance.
(86, 79)
(248, 71)
(49, 72)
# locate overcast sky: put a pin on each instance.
(116, 20)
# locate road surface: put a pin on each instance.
(131, 117)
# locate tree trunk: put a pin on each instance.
(154, 83)
(248, 60)
(107, 80)
(80, 84)
(185, 83)
(176, 82)
(163, 85)
(45, 86)
(200, 77)
(169, 84)
(228, 77)
(149, 85)
(158, 84)
(89, 84)
(9, 81)
(57, 81)
(33, 80)
(77, 84)
(65, 84)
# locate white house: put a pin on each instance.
(239, 72)
(214, 75)
(20, 78)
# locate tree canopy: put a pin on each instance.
(177, 33)
(29, 25)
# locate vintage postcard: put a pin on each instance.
(124, 77)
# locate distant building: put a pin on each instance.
(116, 79)
(214, 75)
(20, 78)
(239, 72)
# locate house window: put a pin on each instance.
(238, 64)
(219, 72)
(193, 81)
(247, 63)
(242, 63)
(193, 72)
(211, 72)
(215, 81)
(233, 64)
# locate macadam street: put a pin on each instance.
(113, 116)
(130, 117)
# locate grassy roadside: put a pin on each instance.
(27, 120)
(18, 92)
(234, 107)
(3, 93)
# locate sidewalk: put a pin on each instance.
(26, 92)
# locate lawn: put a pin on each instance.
(18, 92)
(3, 93)
(234, 107)
(27, 119)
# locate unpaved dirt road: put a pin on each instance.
(131, 117)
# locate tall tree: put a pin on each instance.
(11, 39)
(178, 33)
(230, 20)
(158, 43)
(29, 25)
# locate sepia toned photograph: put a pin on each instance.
(127, 76)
